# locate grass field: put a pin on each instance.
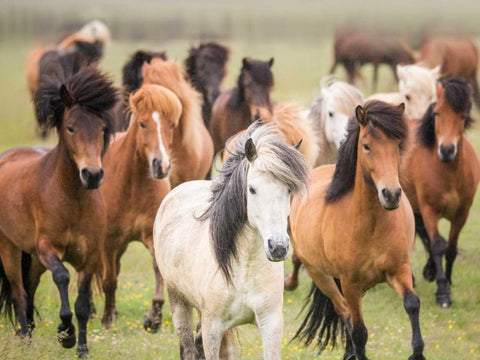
(448, 333)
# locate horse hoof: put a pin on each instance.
(82, 351)
(108, 319)
(66, 336)
(152, 326)
(444, 301)
(417, 357)
(290, 284)
(429, 271)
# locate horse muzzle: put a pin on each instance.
(91, 178)
(447, 153)
(160, 169)
(390, 198)
(277, 247)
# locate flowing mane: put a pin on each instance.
(457, 94)
(132, 71)
(382, 116)
(214, 52)
(228, 203)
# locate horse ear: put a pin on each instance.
(245, 63)
(361, 115)
(436, 71)
(65, 96)
(270, 62)
(297, 145)
(400, 72)
(439, 90)
(401, 107)
(250, 150)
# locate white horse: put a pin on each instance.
(218, 244)
(330, 111)
(416, 88)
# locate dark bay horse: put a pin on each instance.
(51, 211)
(137, 166)
(346, 258)
(440, 174)
(205, 67)
(355, 49)
(456, 55)
(235, 109)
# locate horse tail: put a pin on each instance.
(6, 301)
(321, 319)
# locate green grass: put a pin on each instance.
(448, 333)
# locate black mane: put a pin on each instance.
(131, 73)
(215, 53)
(457, 94)
(92, 90)
(382, 116)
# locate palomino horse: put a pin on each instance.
(416, 88)
(358, 48)
(205, 67)
(440, 175)
(219, 245)
(192, 147)
(372, 246)
(132, 191)
(132, 80)
(330, 112)
(235, 109)
(50, 210)
(456, 55)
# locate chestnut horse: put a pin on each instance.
(205, 67)
(132, 80)
(440, 177)
(456, 55)
(346, 258)
(135, 165)
(235, 109)
(50, 209)
(192, 147)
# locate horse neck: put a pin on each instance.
(249, 245)
(135, 167)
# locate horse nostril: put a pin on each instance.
(84, 173)
(384, 192)
(270, 245)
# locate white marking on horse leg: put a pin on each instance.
(183, 323)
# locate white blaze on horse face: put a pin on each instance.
(161, 147)
(268, 207)
(335, 124)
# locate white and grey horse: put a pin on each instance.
(218, 244)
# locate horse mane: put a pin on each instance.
(169, 74)
(385, 117)
(457, 94)
(214, 51)
(228, 201)
(294, 128)
(132, 71)
(88, 88)
(151, 97)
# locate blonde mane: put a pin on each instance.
(151, 97)
(170, 75)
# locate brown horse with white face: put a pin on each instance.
(137, 166)
(51, 211)
(346, 258)
(235, 109)
(192, 147)
(440, 177)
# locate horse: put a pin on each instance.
(356, 49)
(137, 165)
(192, 147)
(346, 258)
(51, 209)
(416, 88)
(235, 109)
(329, 113)
(205, 68)
(219, 244)
(457, 57)
(440, 175)
(132, 80)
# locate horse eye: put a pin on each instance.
(366, 147)
(407, 97)
(252, 190)
(330, 114)
(70, 130)
(142, 125)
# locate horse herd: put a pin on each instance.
(131, 164)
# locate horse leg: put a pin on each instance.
(350, 68)
(429, 271)
(401, 282)
(291, 281)
(270, 324)
(227, 347)
(153, 318)
(212, 335)
(109, 260)
(36, 271)
(82, 309)
(183, 323)
(451, 250)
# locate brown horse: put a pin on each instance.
(134, 166)
(132, 80)
(192, 147)
(236, 108)
(346, 258)
(50, 209)
(440, 177)
(205, 67)
(355, 49)
(457, 56)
